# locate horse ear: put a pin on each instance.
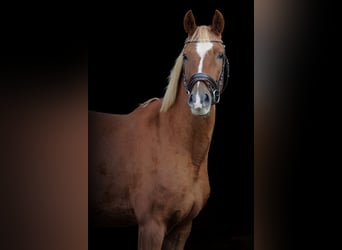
(217, 25)
(189, 23)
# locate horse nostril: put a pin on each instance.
(191, 98)
(206, 98)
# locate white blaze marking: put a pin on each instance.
(197, 103)
(202, 49)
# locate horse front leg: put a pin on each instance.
(176, 239)
(151, 235)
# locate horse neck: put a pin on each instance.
(194, 133)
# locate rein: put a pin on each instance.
(213, 86)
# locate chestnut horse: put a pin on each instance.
(149, 167)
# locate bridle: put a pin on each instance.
(212, 85)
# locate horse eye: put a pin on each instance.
(185, 57)
(220, 55)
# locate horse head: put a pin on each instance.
(205, 66)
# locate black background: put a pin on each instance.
(133, 51)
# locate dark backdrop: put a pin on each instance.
(133, 49)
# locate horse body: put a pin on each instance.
(152, 180)
(149, 167)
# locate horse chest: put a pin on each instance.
(186, 199)
(193, 201)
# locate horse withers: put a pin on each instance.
(149, 167)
